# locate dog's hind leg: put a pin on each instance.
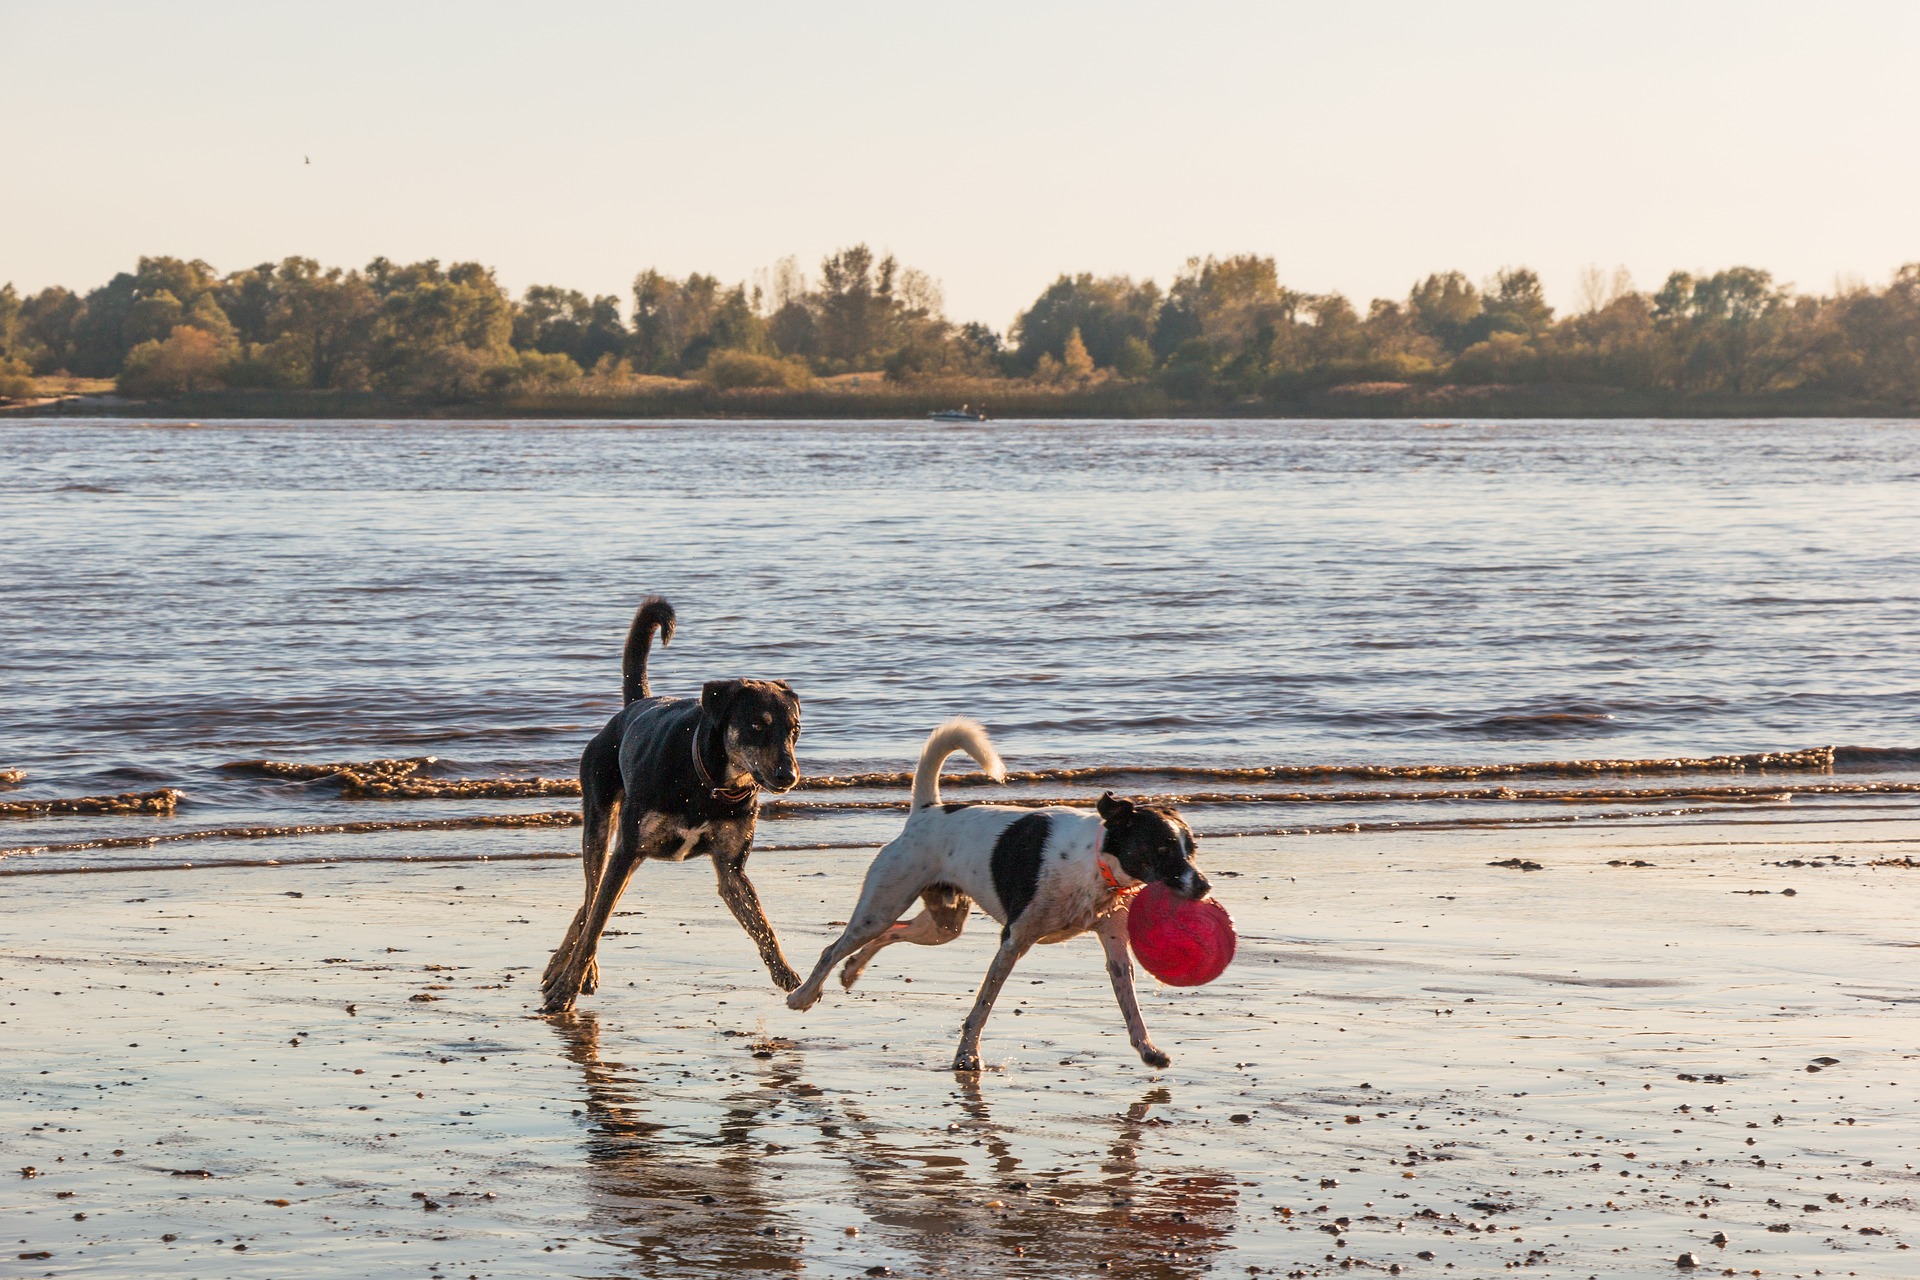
(1113, 938)
(563, 979)
(882, 898)
(1012, 948)
(943, 918)
(609, 819)
(737, 892)
(598, 815)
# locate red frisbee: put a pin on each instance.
(1181, 942)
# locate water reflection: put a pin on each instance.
(682, 1204)
(932, 1190)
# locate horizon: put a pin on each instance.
(1586, 137)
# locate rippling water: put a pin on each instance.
(1200, 593)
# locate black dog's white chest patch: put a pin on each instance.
(678, 843)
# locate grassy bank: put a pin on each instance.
(878, 399)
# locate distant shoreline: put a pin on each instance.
(1106, 400)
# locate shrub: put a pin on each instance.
(1135, 359)
(16, 380)
(189, 360)
(533, 371)
(729, 370)
(1502, 358)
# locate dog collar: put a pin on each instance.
(731, 795)
(1106, 872)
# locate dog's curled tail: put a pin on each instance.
(654, 612)
(955, 735)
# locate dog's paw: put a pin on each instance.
(801, 1001)
(850, 973)
(785, 978)
(964, 1061)
(558, 992)
(590, 980)
(1154, 1058)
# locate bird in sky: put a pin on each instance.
(308, 159)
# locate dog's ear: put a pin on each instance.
(1113, 809)
(716, 696)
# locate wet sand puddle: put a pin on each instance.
(1419, 1061)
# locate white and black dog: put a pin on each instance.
(1045, 874)
(674, 778)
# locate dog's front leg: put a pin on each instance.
(968, 1057)
(1113, 938)
(737, 892)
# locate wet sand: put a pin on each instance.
(1419, 1062)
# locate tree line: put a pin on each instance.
(1225, 329)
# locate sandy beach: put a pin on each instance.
(1420, 1064)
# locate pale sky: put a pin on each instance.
(992, 145)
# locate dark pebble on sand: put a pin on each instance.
(1687, 1261)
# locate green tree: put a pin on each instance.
(1876, 351)
(438, 331)
(1074, 360)
(1728, 328)
(855, 308)
(1444, 307)
(1135, 359)
(1106, 310)
(10, 325)
(48, 323)
(677, 324)
(566, 322)
(1513, 303)
(325, 318)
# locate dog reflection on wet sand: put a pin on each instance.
(687, 1198)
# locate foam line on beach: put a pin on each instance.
(406, 779)
(550, 855)
(1810, 758)
(562, 818)
(552, 818)
(1574, 795)
(163, 801)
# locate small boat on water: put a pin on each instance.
(962, 414)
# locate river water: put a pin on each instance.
(1212, 594)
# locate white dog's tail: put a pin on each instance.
(955, 735)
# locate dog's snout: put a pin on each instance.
(1194, 885)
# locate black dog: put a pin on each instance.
(679, 778)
